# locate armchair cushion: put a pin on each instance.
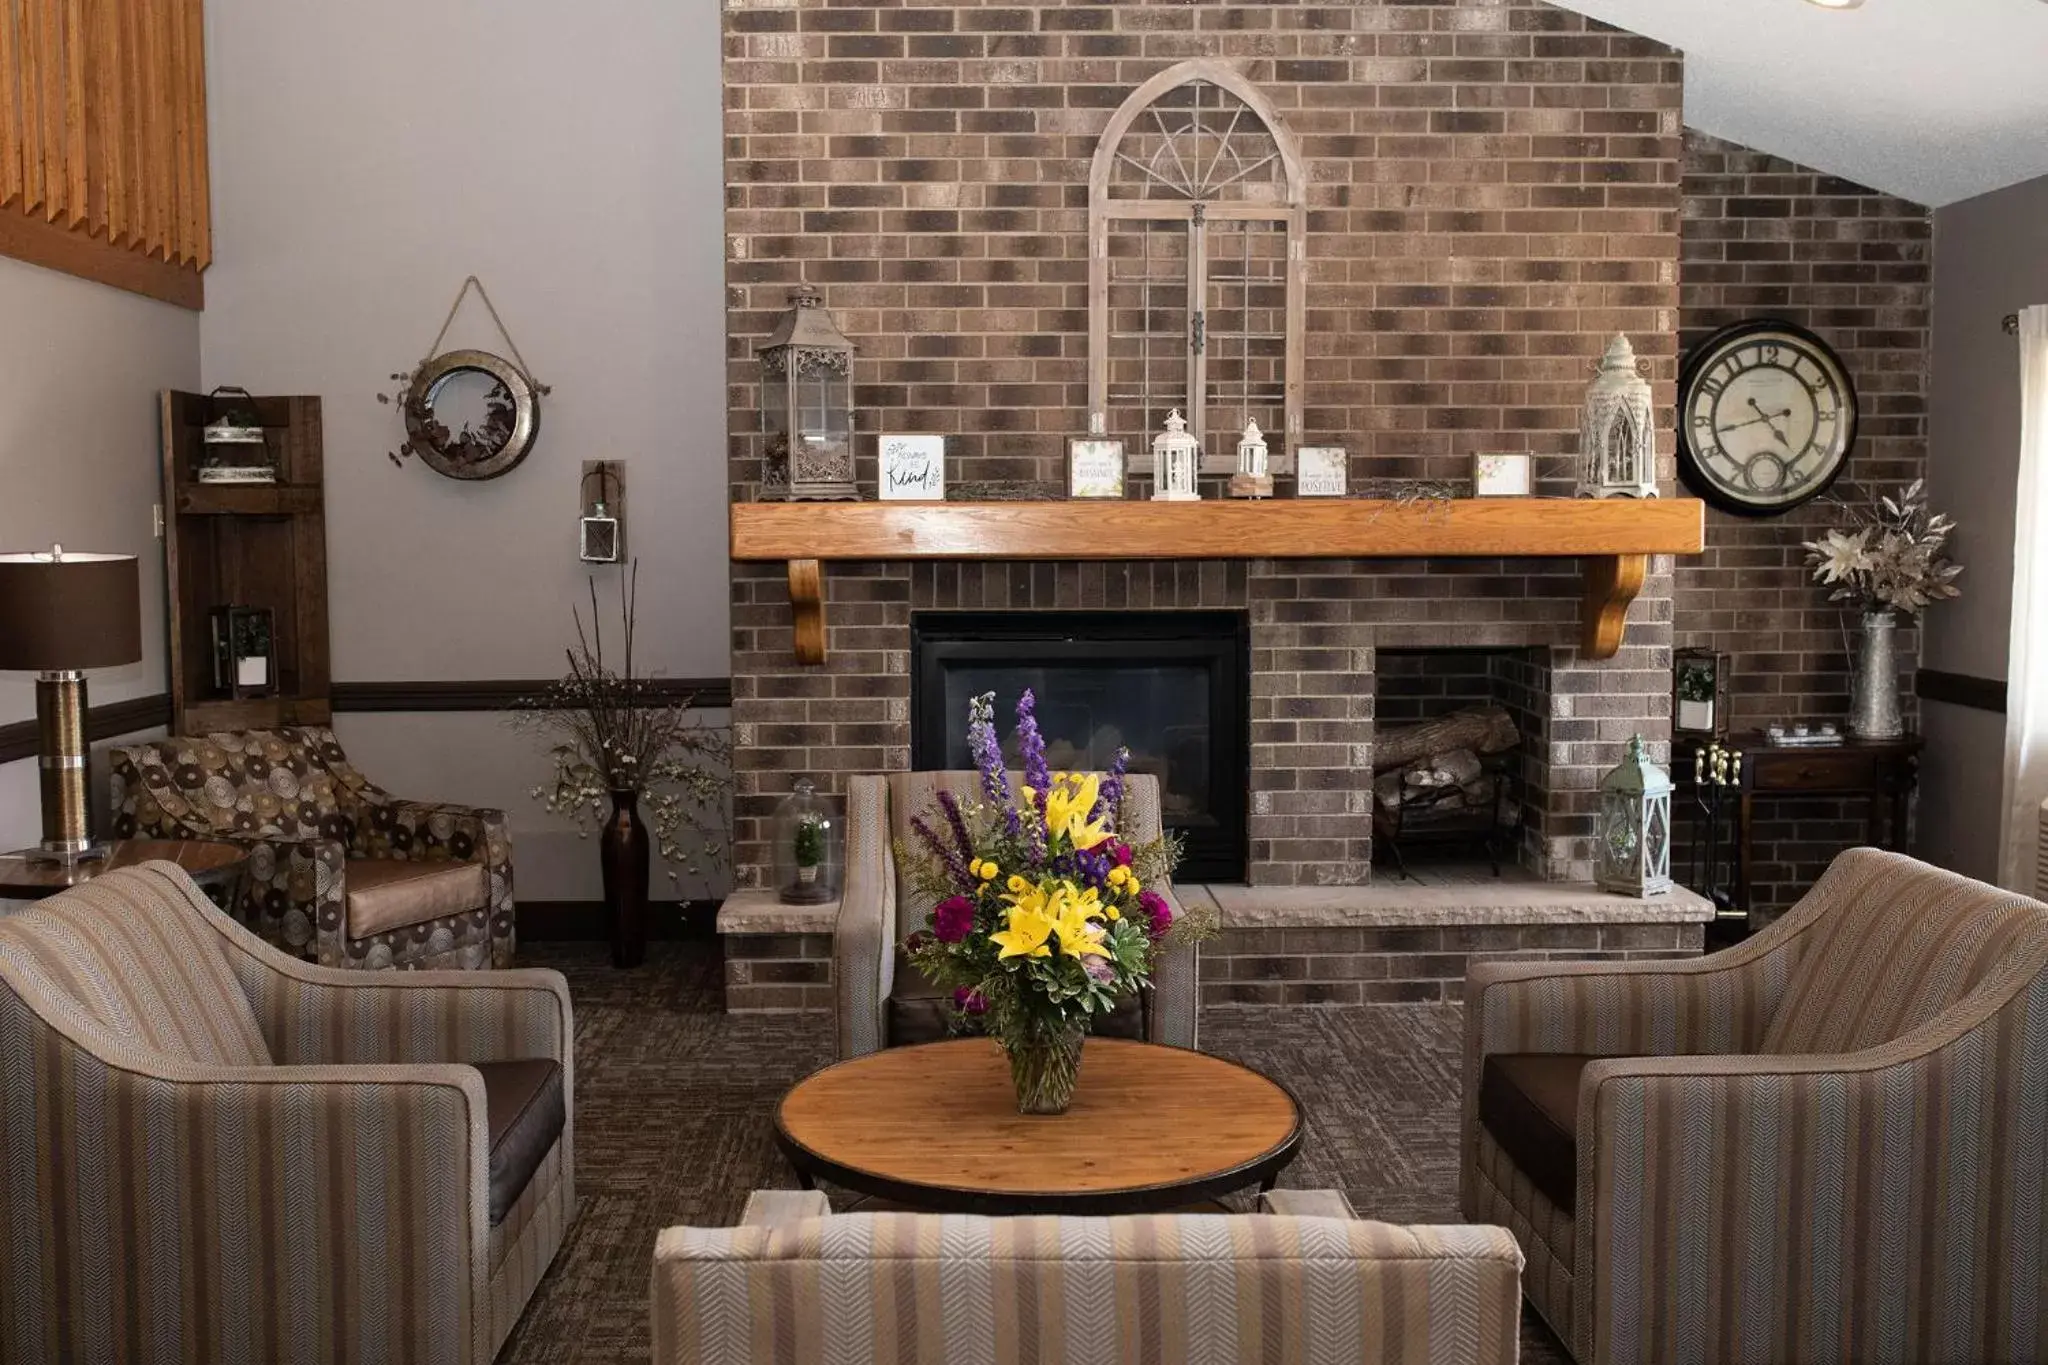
(525, 1110)
(1529, 1105)
(390, 893)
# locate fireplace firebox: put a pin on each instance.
(1171, 686)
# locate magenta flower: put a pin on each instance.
(968, 1000)
(1120, 851)
(953, 919)
(1155, 905)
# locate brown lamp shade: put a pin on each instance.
(69, 611)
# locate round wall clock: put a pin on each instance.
(1766, 418)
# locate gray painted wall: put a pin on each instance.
(1990, 259)
(367, 157)
(80, 366)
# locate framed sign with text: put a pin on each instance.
(911, 468)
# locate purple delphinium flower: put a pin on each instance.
(950, 805)
(1156, 906)
(1109, 798)
(1036, 771)
(987, 749)
(968, 1000)
(953, 919)
(956, 866)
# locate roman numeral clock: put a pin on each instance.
(1767, 418)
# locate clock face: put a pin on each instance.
(1767, 417)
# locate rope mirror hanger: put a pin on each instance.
(469, 447)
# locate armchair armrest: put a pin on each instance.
(1306, 1204)
(294, 892)
(864, 938)
(1889, 1203)
(1176, 986)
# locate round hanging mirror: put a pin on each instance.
(471, 414)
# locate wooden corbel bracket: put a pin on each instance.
(807, 603)
(1612, 582)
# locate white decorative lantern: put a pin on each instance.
(1175, 460)
(1633, 856)
(1618, 441)
(1252, 479)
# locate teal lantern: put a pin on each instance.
(1633, 856)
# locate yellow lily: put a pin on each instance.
(1073, 923)
(1029, 929)
(1067, 806)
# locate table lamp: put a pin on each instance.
(61, 614)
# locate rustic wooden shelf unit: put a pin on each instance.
(1613, 539)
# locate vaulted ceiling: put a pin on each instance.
(1934, 100)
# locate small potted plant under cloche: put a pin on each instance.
(806, 848)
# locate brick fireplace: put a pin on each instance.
(1494, 191)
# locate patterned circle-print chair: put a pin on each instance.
(340, 870)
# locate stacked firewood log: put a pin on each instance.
(1441, 764)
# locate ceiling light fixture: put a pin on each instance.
(1837, 4)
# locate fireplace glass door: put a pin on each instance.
(1169, 686)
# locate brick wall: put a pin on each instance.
(1765, 237)
(1494, 191)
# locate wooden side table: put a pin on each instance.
(1882, 771)
(214, 863)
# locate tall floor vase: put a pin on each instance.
(622, 846)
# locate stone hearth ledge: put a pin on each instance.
(1511, 899)
(1394, 903)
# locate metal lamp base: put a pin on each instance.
(64, 765)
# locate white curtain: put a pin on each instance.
(2026, 708)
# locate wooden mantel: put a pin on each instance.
(1613, 539)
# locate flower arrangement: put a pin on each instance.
(1045, 916)
(617, 732)
(1888, 557)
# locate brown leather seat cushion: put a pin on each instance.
(920, 1012)
(525, 1109)
(1529, 1103)
(391, 893)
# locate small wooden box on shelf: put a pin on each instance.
(246, 545)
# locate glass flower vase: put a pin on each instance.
(1044, 1068)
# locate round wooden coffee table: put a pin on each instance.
(215, 864)
(936, 1127)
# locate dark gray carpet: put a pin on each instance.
(673, 1100)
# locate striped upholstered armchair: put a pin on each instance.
(1827, 1144)
(1303, 1282)
(210, 1150)
(340, 870)
(882, 1001)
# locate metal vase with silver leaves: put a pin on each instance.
(1874, 682)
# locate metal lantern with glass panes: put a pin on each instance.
(1252, 479)
(806, 848)
(807, 406)
(1618, 437)
(1633, 850)
(1176, 459)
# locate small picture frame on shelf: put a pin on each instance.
(1320, 472)
(911, 468)
(1699, 694)
(1503, 476)
(244, 652)
(1095, 467)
